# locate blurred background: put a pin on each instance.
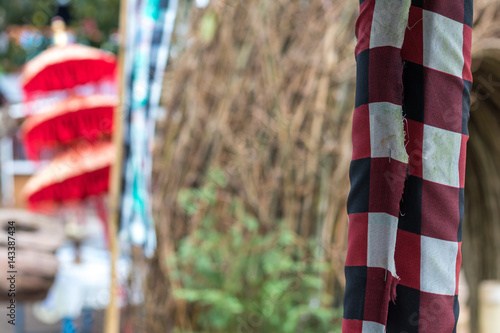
(183, 166)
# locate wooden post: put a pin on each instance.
(112, 319)
(489, 306)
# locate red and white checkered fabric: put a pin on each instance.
(408, 166)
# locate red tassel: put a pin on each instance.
(68, 75)
(75, 188)
(91, 125)
(67, 122)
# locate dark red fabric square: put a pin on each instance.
(386, 185)
(361, 133)
(440, 211)
(364, 26)
(385, 65)
(352, 326)
(407, 258)
(443, 100)
(413, 44)
(467, 74)
(461, 162)
(453, 9)
(378, 291)
(357, 240)
(436, 313)
(414, 142)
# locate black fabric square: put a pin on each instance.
(413, 82)
(468, 12)
(359, 195)
(362, 71)
(355, 288)
(466, 106)
(456, 311)
(417, 3)
(404, 312)
(410, 214)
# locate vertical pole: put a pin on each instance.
(489, 306)
(112, 319)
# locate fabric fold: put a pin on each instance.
(378, 167)
(407, 172)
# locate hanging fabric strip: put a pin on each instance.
(408, 166)
(151, 24)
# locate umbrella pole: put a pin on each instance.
(103, 217)
(112, 319)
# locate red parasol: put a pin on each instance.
(65, 67)
(88, 118)
(72, 176)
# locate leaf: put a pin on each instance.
(187, 294)
(250, 223)
(207, 195)
(287, 237)
(217, 177)
(186, 200)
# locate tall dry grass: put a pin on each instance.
(264, 91)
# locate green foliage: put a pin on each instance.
(38, 13)
(106, 15)
(14, 58)
(239, 279)
(32, 12)
(92, 21)
(208, 27)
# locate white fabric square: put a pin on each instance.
(389, 23)
(443, 43)
(372, 327)
(382, 231)
(387, 131)
(438, 266)
(440, 156)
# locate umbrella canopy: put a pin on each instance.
(72, 176)
(88, 118)
(65, 67)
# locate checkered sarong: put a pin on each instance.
(150, 25)
(408, 166)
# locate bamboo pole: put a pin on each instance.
(112, 319)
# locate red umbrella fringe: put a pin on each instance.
(92, 125)
(68, 75)
(73, 189)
